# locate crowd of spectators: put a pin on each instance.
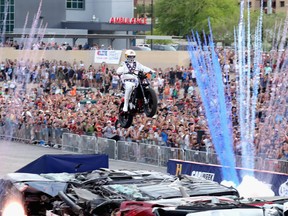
(40, 45)
(85, 99)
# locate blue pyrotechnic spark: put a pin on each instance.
(244, 87)
(246, 99)
(255, 81)
(210, 81)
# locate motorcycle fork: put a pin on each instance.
(133, 96)
(142, 90)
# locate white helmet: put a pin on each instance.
(130, 55)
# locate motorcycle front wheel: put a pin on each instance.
(124, 118)
(150, 108)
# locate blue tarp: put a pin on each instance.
(70, 163)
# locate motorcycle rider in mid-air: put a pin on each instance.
(128, 73)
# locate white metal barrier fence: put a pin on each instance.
(155, 154)
(107, 146)
(129, 151)
(40, 134)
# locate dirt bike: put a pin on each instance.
(142, 100)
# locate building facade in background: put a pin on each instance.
(82, 17)
(277, 6)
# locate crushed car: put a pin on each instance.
(101, 192)
(204, 206)
(107, 192)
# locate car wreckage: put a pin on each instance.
(106, 192)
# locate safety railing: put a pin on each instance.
(71, 142)
(36, 134)
(129, 151)
(149, 153)
(249, 162)
(88, 144)
(158, 155)
(107, 146)
(200, 156)
(140, 152)
(274, 165)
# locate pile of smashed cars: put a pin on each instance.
(107, 192)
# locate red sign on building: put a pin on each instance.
(125, 20)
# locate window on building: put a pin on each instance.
(274, 4)
(7, 14)
(75, 4)
(265, 3)
(282, 3)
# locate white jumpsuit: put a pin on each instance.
(130, 80)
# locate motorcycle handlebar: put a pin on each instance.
(142, 75)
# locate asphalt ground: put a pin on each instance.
(14, 156)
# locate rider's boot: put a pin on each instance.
(131, 106)
(125, 107)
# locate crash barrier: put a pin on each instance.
(34, 134)
(158, 155)
(278, 182)
(107, 146)
(142, 152)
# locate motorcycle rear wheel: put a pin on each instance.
(150, 108)
(124, 118)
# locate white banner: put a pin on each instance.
(107, 56)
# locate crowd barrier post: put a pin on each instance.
(212, 158)
(24, 133)
(15, 132)
(44, 133)
(128, 151)
(59, 134)
(198, 156)
(70, 142)
(52, 135)
(28, 132)
(122, 150)
(18, 132)
(271, 165)
(148, 154)
(107, 146)
(10, 130)
(37, 132)
(2, 131)
(87, 144)
(283, 166)
(256, 162)
(164, 155)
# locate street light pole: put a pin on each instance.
(152, 14)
